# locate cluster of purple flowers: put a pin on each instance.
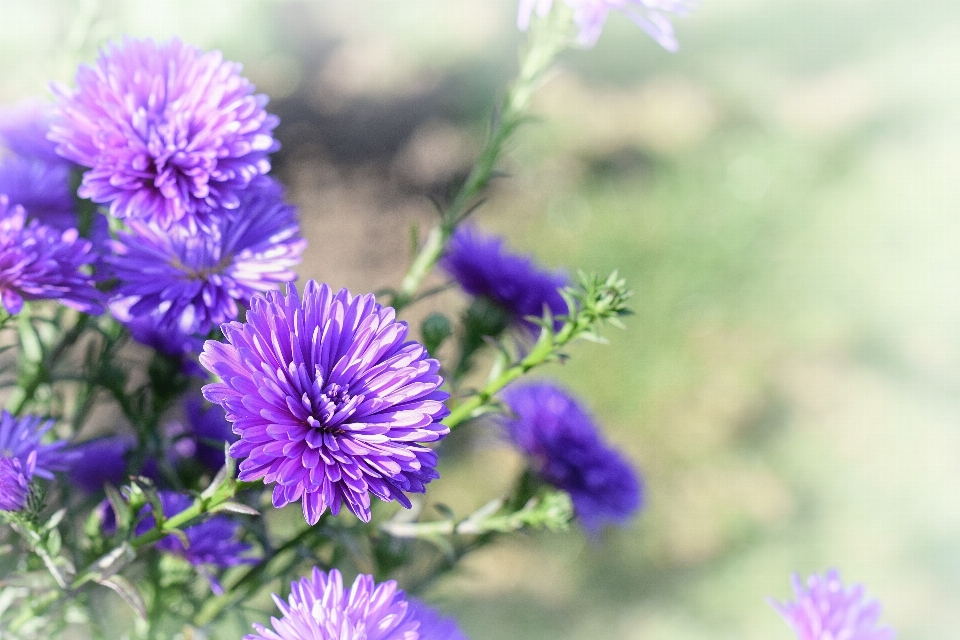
(825, 610)
(320, 607)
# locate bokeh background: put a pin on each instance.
(782, 194)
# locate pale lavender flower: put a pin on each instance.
(319, 608)
(330, 400)
(191, 280)
(566, 450)
(38, 262)
(15, 481)
(170, 133)
(825, 610)
(20, 438)
(591, 15)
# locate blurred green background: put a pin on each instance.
(782, 194)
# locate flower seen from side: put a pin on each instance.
(825, 610)
(211, 430)
(214, 542)
(590, 16)
(567, 451)
(189, 281)
(320, 608)
(20, 438)
(170, 133)
(38, 262)
(15, 481)
(23, 132)
(484, 268)
(329, 398)
(43, 189)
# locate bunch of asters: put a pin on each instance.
(24, 457)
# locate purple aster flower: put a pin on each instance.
(590, 16)
(43, 189)
(104, 460)
(567, 451)
(23, 131)
(15, 481)
(433, 625)
(190, 280)
(319, 607)
(212, 542)
(482, 267)
(211, 431)
(170, 133)
(38, 262)
(20, 438)
(825, 610)
(330, 400)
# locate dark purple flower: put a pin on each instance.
(211, 431)
(590, 16)
(319, 608)
(433, 626)
(567, 451)
(482, 267)
(191, 280)
(170, 133)
(15, 481)
(43, 189)
(20, 438)
(103, 461)
(330, 400)
(23, 132)
(212, 542)
(825, 610)
(38, 262)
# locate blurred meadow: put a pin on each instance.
(781, 194)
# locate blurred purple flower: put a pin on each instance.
(590, 16)
(825, 610)
(20, 438)
(15, 481)
(319, 608)
(212, 542)
(330, 400)
(190, 281)
(43, 189)
(170, 133)
(433, 625)
(567, 451)
(211, 430)
(23, 132)
(38, 262)
(103, 461)
(482, 267)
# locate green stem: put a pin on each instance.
(536, 61)
(40, 371)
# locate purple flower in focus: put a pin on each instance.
(15, 481)
(433, 626)
(482, 267)
(567, 451)
(20, 438)
(330, 400)
(38, 262)
(590, 16)
(23, 132)
(318, 608)
(170, 133)
(212, 542)
(825, 610)
(190, 280)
